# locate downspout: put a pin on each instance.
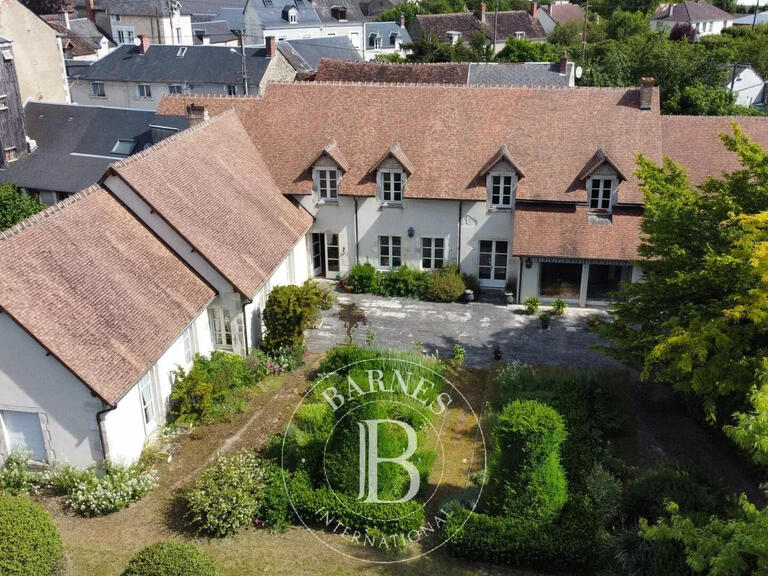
(245, 325)
(458, 246)
(102, 438)
(357, 240)
(519, 277)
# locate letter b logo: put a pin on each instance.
(370, 459)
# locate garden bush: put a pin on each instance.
(531, 304)
(404, 282)
(170, 559)
(62, 479)
(119, 486)
(288, 312)
(526, 480)
(262, 364)
(228, 494)
(15, 477)
(558, 306)
(363, 278)
(29, 542)
(472, 283)
(445, 285)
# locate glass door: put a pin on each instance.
(318, 250)
(494, 256)
(332, 252)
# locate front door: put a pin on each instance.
(494, 257)
(332, 253)
(318, 254)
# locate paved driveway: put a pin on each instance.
(478, 327)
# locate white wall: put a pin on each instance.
(32, 381)
(123, 94)
(352, 29)
(704, 28)
(748, 88)
(293, 33)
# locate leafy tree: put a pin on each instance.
(500, 5)
(522, 50)
(15, 206)
(729, 6)
(683, 31)
(44, 6)
(568, 34)
(622, 25)
(701, 100)
(431, 49)
(700, 318)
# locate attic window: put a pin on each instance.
(293, 16)
(7, 54)
(3, 102)
(392, 38)
(299, 3)
(199, 34)
(455, 36)
(374, 40)
(601, 194)
(182, 51)
(520, 35)
(339, 12)
(123, 147)
(10, 155)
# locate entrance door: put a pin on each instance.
(332, 253)
(494, 255)
(318, 254)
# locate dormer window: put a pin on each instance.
(339, 12)
(327, 181)
(601, 194)
(391, 186)
(374, 41)
(293, 16)
(501, 189)
(393, 38)
(502, 176)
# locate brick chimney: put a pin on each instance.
(646, 92)
(144, 43)
(402, 20)
(534, 8)
(271, 46)
(482, 12)
(564, 63)
(196, 114)
(89, 11)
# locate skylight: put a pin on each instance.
(299, 3)
(268, 3)
(123, 147)
(181, 52)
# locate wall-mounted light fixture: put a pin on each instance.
(411, 232)
(528, 263)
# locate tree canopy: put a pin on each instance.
(15, 206)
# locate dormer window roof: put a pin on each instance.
(398, 154)
(339, 12)
(600, 158)
(332, 151)
(291, 14)
(502, 155)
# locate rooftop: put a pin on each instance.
(562, 12)
(691, 11)
(274, 13)
(335, 11)
(305, 55)
(465, 23)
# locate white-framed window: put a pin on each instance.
(327, 183)
(600, 194)
(432, 253)
(520, 35)
(501, 189)
(143, 91)
(390, 251)
(493, 261)
(174, 89)
(3, 102)
(189, 341)
(97, 90)
(220, 320)
(147, 396)
(22, 430)
(11, 154)
(332, 251)
(293, 16)
(178, 35)
(231, 89)
(391, 185)
(125, 34)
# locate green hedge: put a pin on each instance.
(170, 559)
(444, 285)
(29, 542)
(288, 312)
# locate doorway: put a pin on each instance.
(318, 254)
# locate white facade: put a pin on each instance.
(748, 87)
(175, 28)
(704, 28)
(352, 29)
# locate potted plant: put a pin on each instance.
(558, 306)
(469, 295)
(531, 304)
(496, 352)
(316, 321)
(544, 318)
(509, 292)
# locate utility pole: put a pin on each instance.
(243, 70)
(757, 9)
(584, 34)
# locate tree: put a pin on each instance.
(700, 100)
(622, 25)
(44, 6)
(521, 50)
(15, 206)
(683, 31)
(431, 49)
(699, 319)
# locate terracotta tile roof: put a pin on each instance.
(72, 42)
(212, 186)
(598, 160)
(467, 22)
(694, 142)
(448, 133)
(565, 232)
(97, 289)
(332, 151)
(442, 73)
(564, 12)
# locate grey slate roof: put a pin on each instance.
(326, 12)
(200, 64)
(74, 143)
(275, 16)
(762, 18)
(375, 7)
(209, 7)
(305, 55)
(234, 18)
(87, 30)
(696, 11)
(523, 74)
(218, 31)
(131, 7)
(384, 29)
(3, 40)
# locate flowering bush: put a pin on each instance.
(62, 479)
(119, 486)
(15, 477)
(284, 359)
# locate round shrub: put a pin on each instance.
(363, 278)
(29, 542)
(526, 478)
(445, 285)
(288, 312)
(170, 559)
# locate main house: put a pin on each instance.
(176, 249)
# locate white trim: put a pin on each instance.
(390, 247)
(444, 259)
(611, 194)
(512, 192)
(380, 185)
(318, 190)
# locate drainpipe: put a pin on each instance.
(357, 240)
(458, 246)
(519, 277)
(245, 325)
(102, 438)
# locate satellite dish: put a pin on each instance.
(137, 41)
(579, 71)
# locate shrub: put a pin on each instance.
(404, 282)
(317, 295)
(170, 559)
(693, 491)
(262, 364)
(445, 285)
(29, 542)
(531, 304)
(558, 306)
(288, 312)
(604, 492)
(363, 278)
(472, 283)
(458, 354)
(228, 494)
(120, 486)
(15, 477)
(63, 478)
(526, 480)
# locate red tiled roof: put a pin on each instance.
(345, 71)
(212, 186)
(565, 232)
(77, 45)
(97, 289)
(448, 133)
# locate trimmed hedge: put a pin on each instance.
(29, 541)
(443, 285)
(170, 559)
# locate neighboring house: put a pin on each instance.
(215, 32)
(283, 19)
(139, 76)
(37, 53)
(162, 21)
(341, 18)
(751, 19)
(472, 73)
(80, 39)
(469, 176)
(747, 85)
(383, 38)
(706, 18)
(559, 12)
(496, 27)
(372, 8)
(75, 144)
(304, 56)
(13, 137)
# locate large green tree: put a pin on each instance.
(698, 320)
(15, 206)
